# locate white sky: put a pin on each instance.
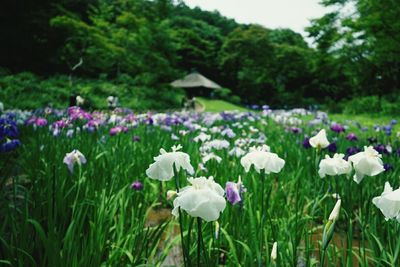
(293, 14)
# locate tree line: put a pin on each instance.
(355, 50)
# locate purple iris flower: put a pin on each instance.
(8, 128)
(130, 118)
(168, 121)
(149, 120)
(352, 150)
(60, 124)
(136, 138)
(336, 127)
(114, 131)
(137, 186)
(381, 149)
(387, 128)
(30, 121)
(306, 143)
(77, 113)
(93, 124)
(332, 147)
(227, 116)
(393, 122)
(118, 129)
(296, 130)
(351, 137)
(41, 122)
(233, 192)
(9, 145)
(387, 167)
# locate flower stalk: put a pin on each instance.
(329, 230)
(185, 258)
(199, 241)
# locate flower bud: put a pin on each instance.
(216, 230)
(328, 233)
(335, 212)
(137, 186)
(274, 251)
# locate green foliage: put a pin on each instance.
(279, 74)
(372, 105)
(363, 42)
(30, 92)
(226, 94)
(355, 53)
(117, 39)
(197, 44)
(288, 37)
(222, 93)
(246, 65)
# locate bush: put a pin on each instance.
(222, 93)
(373, 105)
(390, 108)
(28, 91)
(235, 99)
(366, 104)
(226, 94)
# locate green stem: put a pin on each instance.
(262, 176)
(362, 243)
(190, 230)
(185, 258)
(321, 264)
(337, 187)
(160, 197)
(199, 241)
(297, 236)
(350, 227)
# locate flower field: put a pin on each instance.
(259, 188)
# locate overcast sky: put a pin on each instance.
(293, 14)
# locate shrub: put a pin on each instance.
(222, 93)
(373, 105)
(366, 104)
(28, 91)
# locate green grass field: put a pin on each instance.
(216, 105)
(368, 120)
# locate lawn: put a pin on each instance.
(216, 105)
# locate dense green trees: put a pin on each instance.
(356, 48)
(359, 46)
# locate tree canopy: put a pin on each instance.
(355, 50)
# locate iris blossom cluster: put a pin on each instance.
(8, 135)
